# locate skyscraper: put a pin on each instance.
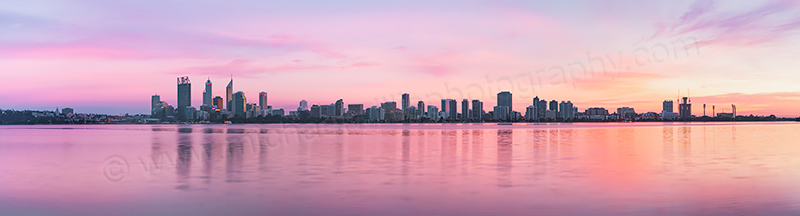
(229, 95)
(554, 105)
(239, 104)
(504, 100)
(453, 110)
(262, 100)
(477, 110)
(541, 109)
(566, 110)
(445, 109)
(420, 108)
(465, 110)
(154, 101)
(207, 94)
(184, 96)
(339, 107)
(667, 111)
(406, 102)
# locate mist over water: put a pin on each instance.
(401, 169)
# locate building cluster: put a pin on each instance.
(235, 106)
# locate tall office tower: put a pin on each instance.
(339, 107)
(504, 99)
(667, 106)
(554, 105)
(453, 110)
(667, 111)
(445, 109)
(239, 104)
(218, 102)
(207, 94)
(406, 102)
(685, 108)
(465, 110)
(477, 110)
(356, 109)
(567, 110)
(541, 109)
(262, 100)
(420, 108)
(229, 95)
(303, 105)
(184, 96)
(154, 101)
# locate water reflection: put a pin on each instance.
(505, 137)
(564, 169)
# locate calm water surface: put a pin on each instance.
(397, 169)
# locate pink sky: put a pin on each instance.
(110, 57)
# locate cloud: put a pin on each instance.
(249, 68)
(752, 27)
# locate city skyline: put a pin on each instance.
(610, 54)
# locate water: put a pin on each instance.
(395, 169)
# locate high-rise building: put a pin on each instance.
(541, 109)
(566, 110)
(530, 112)
(445, 107)
(184, 96)
(420, 108)
(229, 95)
(316, 111)
(667, 106)
(390, 106)
(339, 106)
(355, 109)
(626, 113)
(685, 108)
(262, 100)
(501, 113)
(375, 113)
(303, 105)
(504, 99)
(477, 110)
(433, 113)
(218, 101)
(239, 104)
(155, 100)
(554, 105)
(207, 94)
(453, 110)
(667, 111)
(406, 102)
(465, 110)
